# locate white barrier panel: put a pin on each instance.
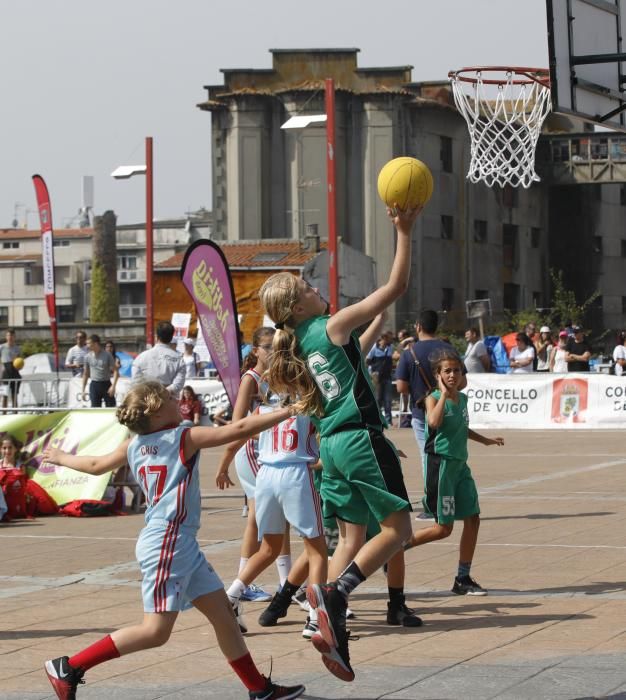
(540, 401)
(210, 392)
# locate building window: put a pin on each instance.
(28, 275)
(10, 244)
(535, 237)
(67, 314)
(480, 231)
(126, 262)
(537, 300)
(511, 297)
(509, 196)
(4, 315)
(62, 243)
(31, 315)
(446, 154)
(481, 294)
(597, 245)
(623, 242)
(447, 298)
(447, 227)
(509, 245)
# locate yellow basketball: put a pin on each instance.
(405, 182)
(18, 363)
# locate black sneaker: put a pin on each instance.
(400, 614)
(275, 610)
(332, 639)
(64, 678)
(273, 691)
(467, 586)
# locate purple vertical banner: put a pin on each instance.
(206, 277)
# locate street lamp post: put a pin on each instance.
(302, 122)
(123, 172)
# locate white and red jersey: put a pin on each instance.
(288, 443)
(171, 485)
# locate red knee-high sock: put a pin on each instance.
(249, 674)
(103, 650)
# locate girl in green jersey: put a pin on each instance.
(317, 360)
(450, 490)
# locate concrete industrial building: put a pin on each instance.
(471, 241)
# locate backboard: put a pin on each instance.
(587, 59)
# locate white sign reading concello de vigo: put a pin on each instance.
(543, 400)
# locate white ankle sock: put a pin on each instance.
(236, 589)
(283, 564)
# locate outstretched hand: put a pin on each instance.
(403, 219)
(495, 441)
(52, 455)
(223, 481)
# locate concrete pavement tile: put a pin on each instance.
(568, 682)
(463, 682)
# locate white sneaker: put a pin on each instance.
(350, 615)
(300, 599)
(310, 628)
(238, 610)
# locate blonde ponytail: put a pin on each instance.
(288, 374)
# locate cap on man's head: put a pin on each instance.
(544, 329)
(577, 329)
(189, 341)
(563, 334)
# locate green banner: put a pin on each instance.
(89, 431)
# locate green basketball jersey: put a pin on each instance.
(341, 376)
(450, 439)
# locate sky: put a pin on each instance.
(84, 83)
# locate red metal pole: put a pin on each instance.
(149, 246)
(333, 283)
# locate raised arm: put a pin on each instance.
(346, 320)
(94, 465)
(369, 335)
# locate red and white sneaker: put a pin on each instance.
(63, 677)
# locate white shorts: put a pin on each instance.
(174, 570)
(286, 494)
(246, 466)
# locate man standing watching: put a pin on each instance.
(99, 366)
(75, 359)
(161, 363)
(577, 351)
(8, 352)
(476, 357)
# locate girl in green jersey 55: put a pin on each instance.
(317, 359)
(450, 491)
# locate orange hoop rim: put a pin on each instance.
(524, 75)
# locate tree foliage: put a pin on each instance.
(564, 308)
(104, 296)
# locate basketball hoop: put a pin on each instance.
(504, 108)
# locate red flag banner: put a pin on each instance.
(45, 217)
(206, 277)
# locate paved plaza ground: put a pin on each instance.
(552, 552)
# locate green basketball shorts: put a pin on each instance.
(362, 473)
(450, 490)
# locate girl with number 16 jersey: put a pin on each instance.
(285, 493)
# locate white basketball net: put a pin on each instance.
(504, 125)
